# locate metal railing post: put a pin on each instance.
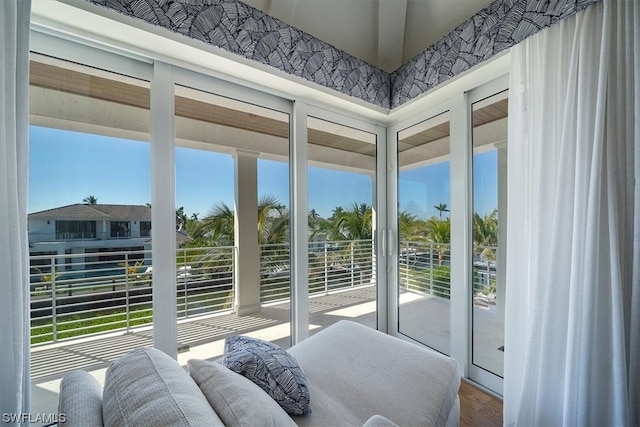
(352, 264)
(406, 265)
(430, 268)
(234, 255)
(126, 291)
(54, 325)
(184, 283)
(326, 269)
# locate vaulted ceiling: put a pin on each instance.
(384, 33)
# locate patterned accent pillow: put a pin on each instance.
(270, 367)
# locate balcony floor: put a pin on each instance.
(203, 336)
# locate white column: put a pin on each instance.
(247, 262)
(163, 218)
(501, 258)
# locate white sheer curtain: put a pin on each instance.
(14, 250)
(572, 307)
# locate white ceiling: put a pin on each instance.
(385, 33)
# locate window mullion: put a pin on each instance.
(299, 225)
(461, 236)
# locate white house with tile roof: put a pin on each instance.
(89, 229)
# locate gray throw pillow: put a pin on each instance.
(80, 400)
(145, 387)
(237, 401)
(272, 368)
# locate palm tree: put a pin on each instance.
(317, 224)
(90, 200)
(407, 225)
(335, 214)
(354, 224)
(273, 221)
(353, 227)
(181, 218)
(314, 215)
(439, 232)
(485, 234)
(442, 207)
(217, 228)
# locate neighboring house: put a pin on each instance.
(89, 229)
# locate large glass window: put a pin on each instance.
(145, 228)
(451, 198)
(232, 216)
(424, 228)
(120, 229)
(342, 219)
(89, 178)
(489, 206)
(69, 230)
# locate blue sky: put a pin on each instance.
(65, 167)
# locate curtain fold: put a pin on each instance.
(14, 250)
(572, 307)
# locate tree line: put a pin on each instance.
(355, 223)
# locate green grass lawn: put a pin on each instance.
(76, 325)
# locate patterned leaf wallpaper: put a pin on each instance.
(244, 30)
(502, 24)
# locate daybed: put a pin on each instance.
(354, 375)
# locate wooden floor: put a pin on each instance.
(478, 408)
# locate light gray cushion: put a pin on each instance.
(238, 401)
(379, 421)
(272, 369)
(146, 387)
(80, 400)
(355, 372)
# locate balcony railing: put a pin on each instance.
(87, 235)
(74, 295)
(333, 265)
(81, 294)
(425, 267)
(84, 294)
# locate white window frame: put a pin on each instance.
(458, 103)
(379, 202)
(475, 373)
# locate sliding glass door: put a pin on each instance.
(232, 178)
(424, 229)
(449, 186)
(89, 218)
(341, 169)
(489, 165)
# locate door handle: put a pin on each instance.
(384, 242)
